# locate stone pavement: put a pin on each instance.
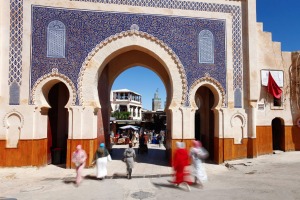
(275, 176)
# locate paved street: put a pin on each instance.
(275, 176)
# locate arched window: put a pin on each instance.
(56, 34)
(206, 47)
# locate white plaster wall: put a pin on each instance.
(271, 57)
(229, 130)
(34, 126)
(4, 53)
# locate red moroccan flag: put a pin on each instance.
(273, 88)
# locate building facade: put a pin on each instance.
(59, 59)
(125, 100)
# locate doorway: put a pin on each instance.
(277, 133)
(58, 123)
(204, 119)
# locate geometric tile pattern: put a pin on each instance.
(200, 6)
(86, 29)
(176, 31)
(206, 47)
(15, 47)
(56, 33)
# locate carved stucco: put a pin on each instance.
(211, 81)
(13, 112)
(50, 76)
(243, 119)
(143, 35)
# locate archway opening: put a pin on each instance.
(129, 97)
(278, 133)
(58, 97)
(204, 119)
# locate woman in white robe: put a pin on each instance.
(197, 153)
(101, 157)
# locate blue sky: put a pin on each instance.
(281, 17)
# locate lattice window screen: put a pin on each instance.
(56, 33)
(206, 47)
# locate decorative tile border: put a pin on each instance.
(199, 6)
(86, 29)
(15, 49)
(134, 31)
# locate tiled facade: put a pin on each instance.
(208, 53)
(180, 34)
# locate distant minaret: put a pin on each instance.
(156, 101)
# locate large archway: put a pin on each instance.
(120, 52)
(112, 70)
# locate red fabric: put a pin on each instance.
(181, 160)
(273, 88)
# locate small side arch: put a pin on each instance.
(213, 85)
(238, 123)
(40, 90)
(13, 121)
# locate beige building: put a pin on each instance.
(125, 100)
(59, 59)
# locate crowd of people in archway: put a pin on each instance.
(142, 137)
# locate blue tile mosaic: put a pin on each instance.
(86, 29)
(15, 50)
(235, 11)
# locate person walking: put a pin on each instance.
(78, 158)
(100, 158)
(129, 156)
(181, 161)
(134, 138)
(197, 153)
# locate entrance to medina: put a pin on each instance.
(129, 50)
(121, 62)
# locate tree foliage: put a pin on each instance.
(121, 115)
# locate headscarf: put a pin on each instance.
(78, 147)
(196, 144)
(178, 145)
(102, 145)
(101, 152)
(79, 156)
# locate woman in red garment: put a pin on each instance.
(181, 160)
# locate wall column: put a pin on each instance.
(252, 142)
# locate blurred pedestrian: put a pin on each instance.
(197, 154)
(100, 158)
(134, 138)
(129, 156)
(78, 158)
(181, 161)
(161, 139)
